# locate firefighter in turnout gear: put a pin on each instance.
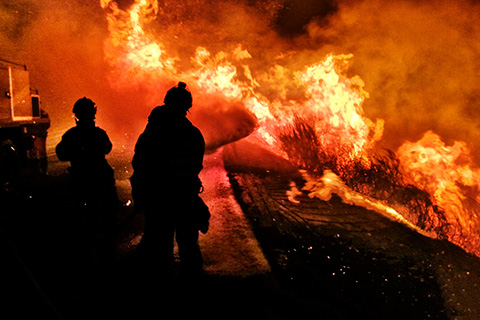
(165, 184)
(92, 182)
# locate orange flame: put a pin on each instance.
(136, 55)
(331, 101)
(331, 183)
(446, 173)
(337, 101)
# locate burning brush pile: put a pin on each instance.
(376, 180)
(426, 185)
(301, 105)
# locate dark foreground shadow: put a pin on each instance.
(45, 273)
(334, 272)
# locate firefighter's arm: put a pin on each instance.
(63, 150)
(107, 144)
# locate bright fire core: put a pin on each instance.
(310, 113)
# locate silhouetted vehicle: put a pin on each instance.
(23, 124)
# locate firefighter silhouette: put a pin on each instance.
(92, 182)
(165, 184)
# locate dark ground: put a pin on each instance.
(328, 261)
(346, 262)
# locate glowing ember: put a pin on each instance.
(293, 192)
(323, 123)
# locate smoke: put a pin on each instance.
(195, 43)
(61, 43)
(419, 60)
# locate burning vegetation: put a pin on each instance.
(296, 92)
(310, 113)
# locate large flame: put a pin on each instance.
(330, 103)
(135, 54)
(446, 173)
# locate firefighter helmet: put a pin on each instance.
(179, 96)
(84, 109)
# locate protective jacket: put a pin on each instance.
(85, 146)
(168, 157)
